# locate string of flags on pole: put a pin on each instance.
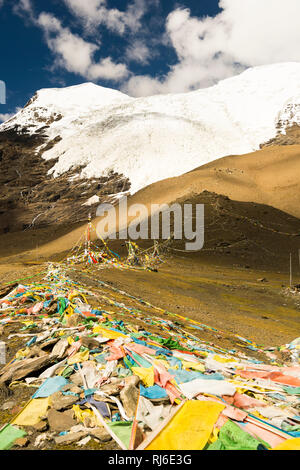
(85, 251)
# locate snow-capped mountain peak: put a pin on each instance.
(149, 139)
(83, 96)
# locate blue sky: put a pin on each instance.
(140, 47)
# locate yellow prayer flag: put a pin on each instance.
(32, 413)
(145, 374)
(190, 428)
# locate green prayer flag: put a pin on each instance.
(292, 390)
(232, 437)
(122, 430)
(8, 435)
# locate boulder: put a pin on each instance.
(74, 320)
(41, 426)
(112, 388)
(90, 343)
(22, 442)
(129, 397)
(76, 379)
(35, 351)
(8, 405)
(49, 343)
(61, 421)
(70, 437)
(60, 349)
(20, 369)
(101, 434)
(61, 402)
(72, 388)
(132, 380)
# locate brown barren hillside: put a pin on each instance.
(237, 282)
(269, 176)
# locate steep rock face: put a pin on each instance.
(71, 148)
(290, 137)
(288, 125)
(31, 197)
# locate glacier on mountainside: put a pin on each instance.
(153, 138)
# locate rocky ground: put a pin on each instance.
(31, 198)
(251, 303)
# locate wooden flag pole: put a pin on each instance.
(89, 233)
(134, 426)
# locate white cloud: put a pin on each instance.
(94, 13)
(135, 12)
(24, 9)
(71, 51)
(77, 55)
(6, 116)
(245, 33)
(260, 32)
(108, 70)
(138, 52)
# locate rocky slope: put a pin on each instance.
(71, 148)
(31, 197)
